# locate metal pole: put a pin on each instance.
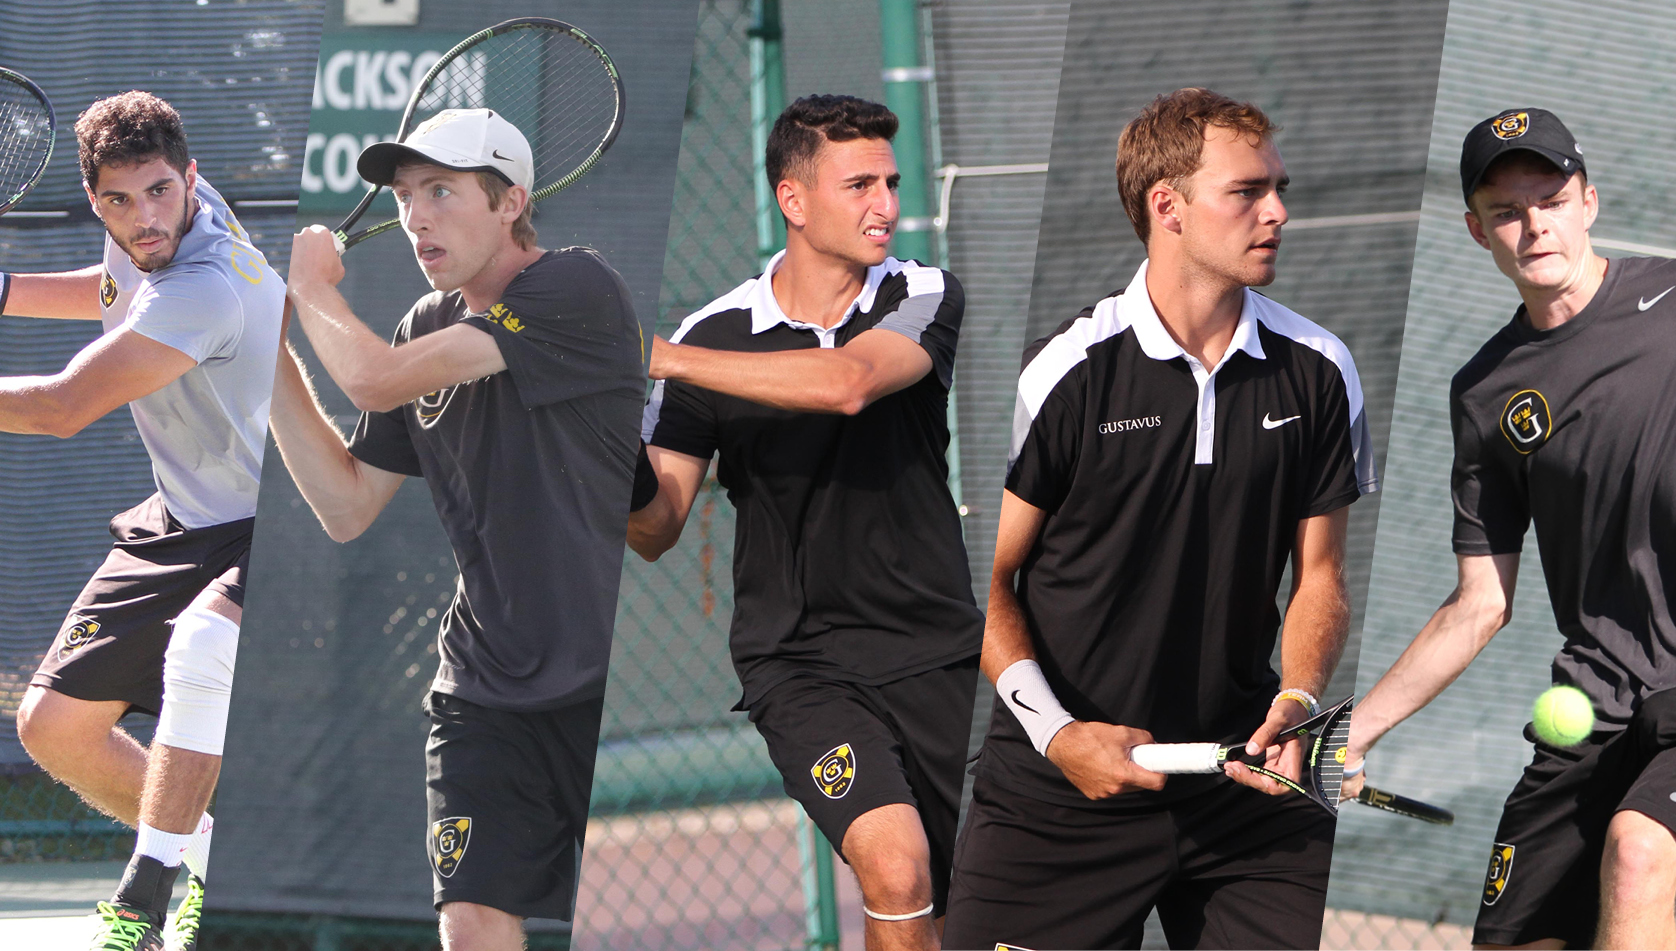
(820, 889)
(905, 76)
(768, 97)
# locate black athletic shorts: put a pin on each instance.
(112, 642)
(844, 749)
(1227, 868)
(506, 797)
(1544, 874)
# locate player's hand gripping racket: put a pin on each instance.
(551, 80)
(27, 129)
(1325, 737)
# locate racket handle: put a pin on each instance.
(1404, 806)
(337, 241)
(1178, 757)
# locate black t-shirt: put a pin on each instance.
(1575, 427)
(848, 558)
(1173, 494)
(530, 469)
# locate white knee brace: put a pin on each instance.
(198, 681)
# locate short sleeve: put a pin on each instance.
(1492, 511)
(381, 440)
(1332, 475)
(567, 330)
(1046, 446)
(193, 311)
(681, 418)
(930, 316)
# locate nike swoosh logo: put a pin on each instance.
(496, 154)
(1025, 705)
(1645, 303)
(1277, 423)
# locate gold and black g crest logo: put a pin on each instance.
(449, 838)
(107, 290)
(78, 633)
(1501, 866)
(1526, 421)
(1511, 126)
(835, 772)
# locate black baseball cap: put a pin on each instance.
(1533, 130)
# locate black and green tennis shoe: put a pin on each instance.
(183, 929)
(127, 928)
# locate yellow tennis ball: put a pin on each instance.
(1563, 716)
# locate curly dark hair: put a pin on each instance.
(809, 122)
(128, 129)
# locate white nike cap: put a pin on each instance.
(470, 140)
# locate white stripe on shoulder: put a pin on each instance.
(1059, 357)
(1300, 329)
(732, 300)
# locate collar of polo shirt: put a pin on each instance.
(1157, 343)
(766, 313)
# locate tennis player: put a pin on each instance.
(191, 313)
(1564, 419)
(823, 383)
(512, 391)
(1174, 446)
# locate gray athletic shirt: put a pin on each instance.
(1574, 429)
(219, 303)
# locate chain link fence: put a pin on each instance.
(692, 843)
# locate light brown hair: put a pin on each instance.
(1166, 142)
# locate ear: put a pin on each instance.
(1476, 229)
(1591, 206)
(1163, 203)
(789, 195)
(516, 198)
(91, 200)
(191, 175)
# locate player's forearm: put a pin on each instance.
(70, 295)
(38, 405)
(1444, 648)
(1006, 634)
(358, 360)
(1315, 631)
(330, 479)
(808, 381)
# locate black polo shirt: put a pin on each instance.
(848, 560)
(1575, 428)
(530, 469)
(1173, 494)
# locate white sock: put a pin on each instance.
(197, 854)
(165, 847)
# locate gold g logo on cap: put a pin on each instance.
(835, 772)
(1512, 125)
(107, 290)
(448, 841)
(1526, 421)
(1501, 866)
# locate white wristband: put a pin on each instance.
(1027, 694)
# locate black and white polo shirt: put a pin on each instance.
(1173, 494)
(848, 557)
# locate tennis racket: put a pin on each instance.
(548, 78)
(27, 129)
(1325, 737)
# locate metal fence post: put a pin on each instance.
(768, 97)
(820, 889)
(905, 76)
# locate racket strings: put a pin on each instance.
(556, 88)
(25, 138)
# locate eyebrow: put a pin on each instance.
(1254, 182)
(1500, 205)
(109, 192)
(440, 174)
